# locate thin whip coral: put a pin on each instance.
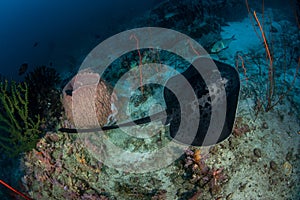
(271, 70)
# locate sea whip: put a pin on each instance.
(14, 190)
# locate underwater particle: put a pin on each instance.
(273, 165)
(287, 168)
(257, 152)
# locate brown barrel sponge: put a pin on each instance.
(87, 100)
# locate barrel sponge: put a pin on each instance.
(88, 100)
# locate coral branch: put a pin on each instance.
(140, 57)
(251, 19)
(271, 70)
(289, 89)
(264, 38)
(14, 190)
(239, 57)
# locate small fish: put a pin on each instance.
(170, 15)
(97, 36)
(23, 68)
(35, 44)
(221, 45)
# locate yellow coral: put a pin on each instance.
(20, 132)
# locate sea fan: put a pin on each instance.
(44, 94)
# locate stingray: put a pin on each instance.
(173, 115)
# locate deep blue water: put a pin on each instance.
(57, 32)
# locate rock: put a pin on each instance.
(257, 152)
(273, 165)
(275, 27)
(265, 125)
(242, 187)
(289, 156)
(287, 168)
(52, 137)
(229, 196)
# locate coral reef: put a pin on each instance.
(200, 174)
(60, 168)
(63, 166)
(20, 130)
